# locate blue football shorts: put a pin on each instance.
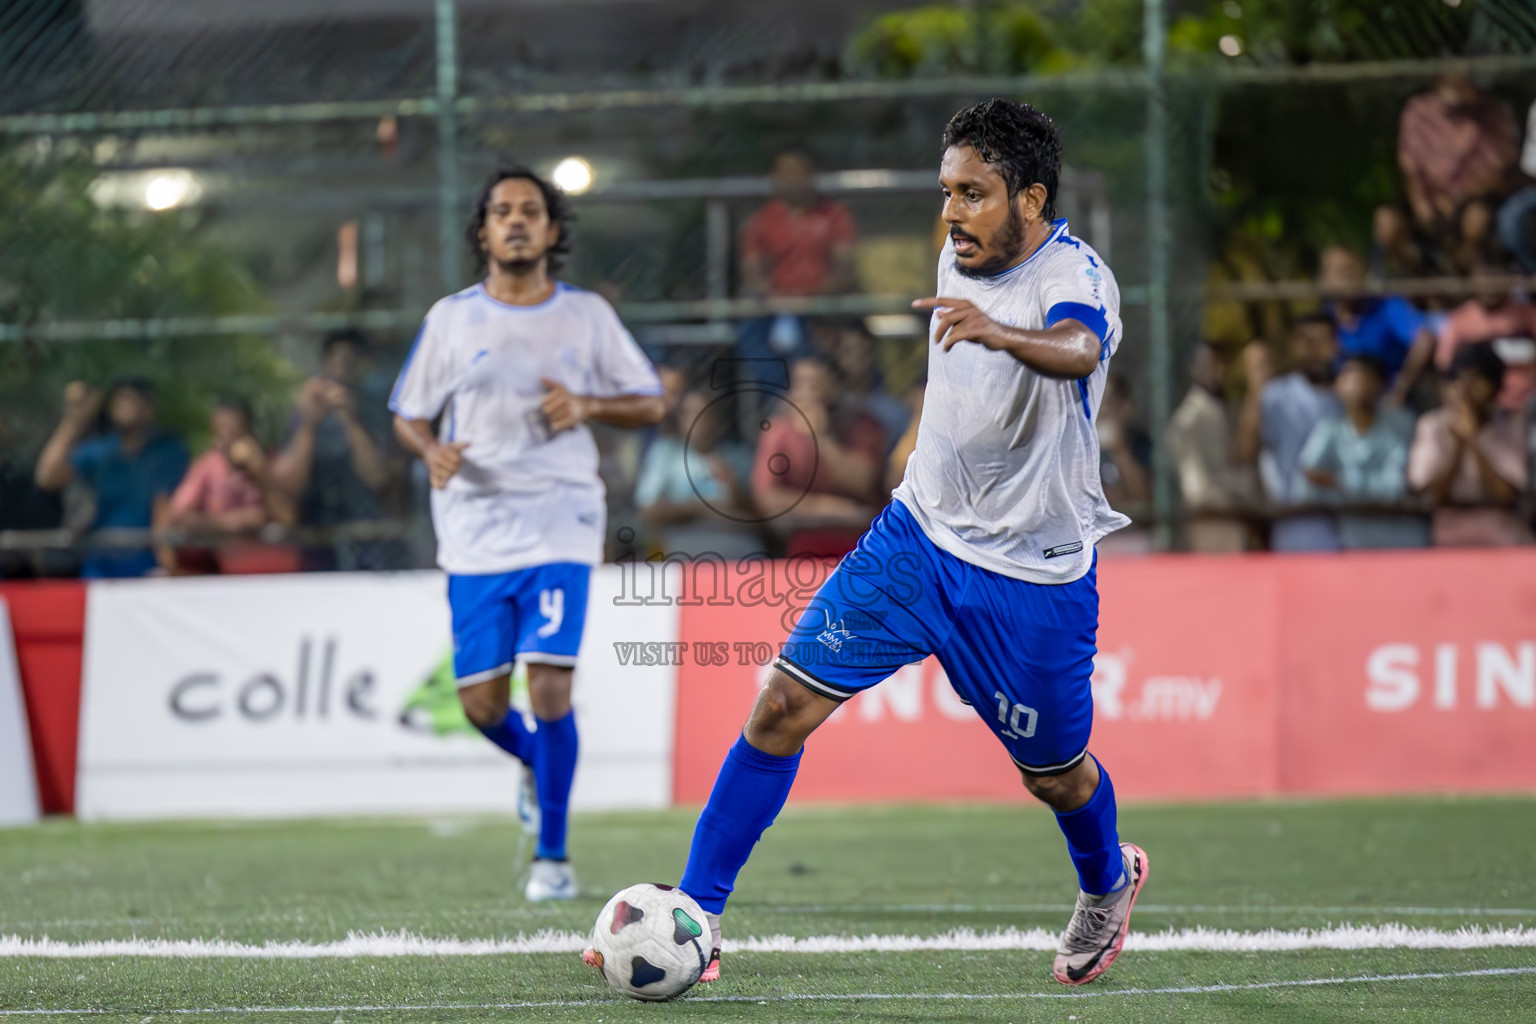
(536, 614)
(1021, 654)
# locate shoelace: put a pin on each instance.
(1084, 928)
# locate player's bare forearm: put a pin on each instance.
(442, 460)
(1066, 350)
(627, 410)
(564, 410)
(415, 436)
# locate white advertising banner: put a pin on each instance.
(18, 775)
(333, 694)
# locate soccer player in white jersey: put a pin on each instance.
(512, 369)
(985, 557)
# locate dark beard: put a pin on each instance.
(1009, 243)
(519, 268)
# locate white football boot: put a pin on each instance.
(550, 880)
(1096, 933)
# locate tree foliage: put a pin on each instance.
(62, 257)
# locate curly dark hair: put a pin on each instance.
(1020, 142)
(555, 201)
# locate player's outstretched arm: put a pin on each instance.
(565, 410)
(1066, 350)
(443, 460)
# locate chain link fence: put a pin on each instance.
(200, 194)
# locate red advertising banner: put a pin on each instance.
(1216, 677)
(1409, 672)
(48, 619)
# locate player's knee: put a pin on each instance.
(482, 708)
(1043, 787)
(549, 691)
(783, 716)
(1065, 792)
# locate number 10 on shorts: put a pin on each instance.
(1009, 714)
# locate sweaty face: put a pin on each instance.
(517, 231)
(984, 222)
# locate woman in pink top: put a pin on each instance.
(1469, 459)
(227, 490)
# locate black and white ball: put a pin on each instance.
(653, 941)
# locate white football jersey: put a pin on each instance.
(524, 496)
(1006, 470)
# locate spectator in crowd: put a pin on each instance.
(1212, 483)
(1361, 459)
(1517, 217)
(1278, 416)
(1496, 315)
(1457, 149)
(1469, 456)
(1125, 450)
(1389, 330)
(818, 468)
(690, 488)
(863, 384)
(130, 470)
(229, 490)
(1125, 468)
(799, 244)
(333, 462)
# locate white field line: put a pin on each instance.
(502, 914)
(406, 944)
(811, 997)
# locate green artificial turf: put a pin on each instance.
(912, 870)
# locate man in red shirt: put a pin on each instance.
(1457, 149)
(800, 243)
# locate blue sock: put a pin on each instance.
(1093, 840)
(511, 735)
(554, 766)
(749, 793)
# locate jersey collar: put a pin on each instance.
(486, 295)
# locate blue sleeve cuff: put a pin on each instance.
(1091, 317)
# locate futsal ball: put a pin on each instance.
(652, 942)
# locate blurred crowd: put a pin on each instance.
(1384, 421)
(1387, 422)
